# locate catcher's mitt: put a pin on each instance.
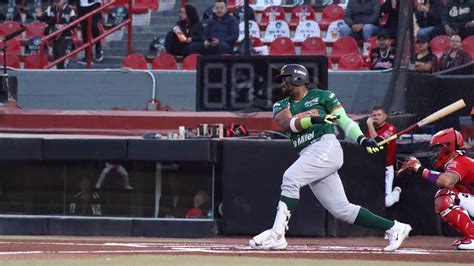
(410, 164)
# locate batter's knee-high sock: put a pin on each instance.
(369, 219)
(291, 203)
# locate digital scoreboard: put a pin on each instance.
(231, 83)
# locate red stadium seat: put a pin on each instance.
(9, 27)
(351, 62)
(35, 29)
(256, 42)
(330, 14)
(12, 60)
(135, 61)
(282, 46)
(142, 6)
(301, 13)
(35, 61)
(313, 46)
(13, 46)
(468, 46)
(343, 45)
(271, 13)
(190, 62)
(440, 44)
(164, 61)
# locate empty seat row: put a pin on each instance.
(162, 61)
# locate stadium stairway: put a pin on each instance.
(144, 30)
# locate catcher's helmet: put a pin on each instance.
(299, 74)
(450, 140)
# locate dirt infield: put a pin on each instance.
(420, 248)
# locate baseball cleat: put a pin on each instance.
(268, 240)
(466, 244)
(396, 235)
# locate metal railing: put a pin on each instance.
(90, 42)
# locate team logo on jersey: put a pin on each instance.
(312, 112)
(303, 138)
(451, 165)
(311, 102)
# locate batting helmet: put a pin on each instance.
(450, 140)
(299, 74)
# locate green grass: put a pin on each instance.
(181, 260)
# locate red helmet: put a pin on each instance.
(450, 140)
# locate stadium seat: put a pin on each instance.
(256, 42)
(35, 61)
(13, 46)
(254, 30)
(135, 61)
(468, 46)
(344, 45)
(8, 27)
(305, 30)
(270, 14)
(12, 60)
(276, 29)
(142, 6)
(440, 44)
(330, 14)
(301, 13)
(164, 61)
(35, 29)
(190, 62)
(260, 5)
(282, 46)
(351, 62)
(332, 32)
(313, 46)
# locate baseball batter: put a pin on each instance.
(309, 115)
(379, 129)
(454, 202)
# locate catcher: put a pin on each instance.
(454, 202)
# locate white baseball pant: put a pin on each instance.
(317, 167)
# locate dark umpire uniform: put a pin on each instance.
(57, 16)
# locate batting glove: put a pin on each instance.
(369, 144)
(410, 164)
(330, 119)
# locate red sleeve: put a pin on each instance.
(457, 167)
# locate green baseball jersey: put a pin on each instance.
(315, 103)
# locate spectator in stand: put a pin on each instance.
(85, 7)
(425, 61)
(383, 56)
(202, 206)
(391, 8)
(187, 30)
(220, 34)
(458, 17)
(57, 16)
(361, 19)
(428, 18)
(455, 56)
(86, 202)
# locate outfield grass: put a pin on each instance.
(182, 260)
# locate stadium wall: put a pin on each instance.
(113, 89)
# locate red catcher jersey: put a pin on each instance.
(384, 132)
(463, 166)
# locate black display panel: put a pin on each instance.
(229, 83)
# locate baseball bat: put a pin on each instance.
(427, 120)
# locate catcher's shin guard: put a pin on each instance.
(281, 220)
(447, 206)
